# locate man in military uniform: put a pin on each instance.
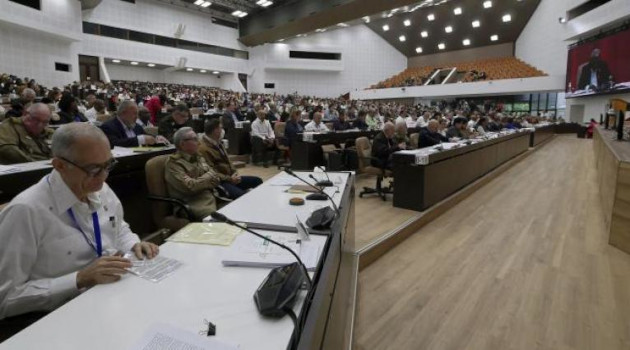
(188, 176)
(178, 119)
(26, 138)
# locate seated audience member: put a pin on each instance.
(178, 119)
(510, 125)
(263, 140)
(373, 121)
(217, 158)
(293, 128)
(341, 123)
(482, 126)
(494, 124)
(144, 117)
(591, 128)
(50, 252)
(458, 129)
(316, 125)
(123, 131)
(384, 145)
(69, 110)
(430, 135)
(423, 120)
(360, 123)
(230, 117)
(101, 111)
(474, 118)
(273, 115)
(26, 138)
(188, 177)
(18, 106)
(400, 136)
(155, 105)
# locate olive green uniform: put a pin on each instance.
(190, 179)
(17, 146)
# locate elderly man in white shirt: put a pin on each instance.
(263, 140)
(66, 233)
(316, 124)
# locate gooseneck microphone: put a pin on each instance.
(324, 183)
(222, 218)
(319, 196)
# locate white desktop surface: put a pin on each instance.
(269, 204)
(115, 316)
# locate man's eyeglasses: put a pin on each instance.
(191, 139)
(95, 170)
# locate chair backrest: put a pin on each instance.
(364, 152)
(414, 139)
(196, 111)
(156, 186)
(279, 129)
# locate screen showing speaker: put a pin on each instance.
(600, 65)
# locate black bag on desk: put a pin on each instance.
(321, 219)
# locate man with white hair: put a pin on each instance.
(384, 145)
(26, 138)
(66, 233)
(123, 131)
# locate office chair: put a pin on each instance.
(364, 153)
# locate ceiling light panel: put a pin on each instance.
(494, 37)
(487, 4)
(385, 28)
(424, 34)
(407, 23)
(402, 38)
(431, 17)
(507, 18)
(441, 46)
(448, 29)
(476, 24)
(457, 11)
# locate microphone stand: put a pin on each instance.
(319, 190)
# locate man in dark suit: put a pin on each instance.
(230, 118)
(178, 119)
(430, 136)
(595, 72)
(384, 146)
(123, 131)
(458, 129)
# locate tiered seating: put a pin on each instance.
(485, 69)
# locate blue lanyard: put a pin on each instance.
(97, 232)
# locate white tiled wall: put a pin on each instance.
(157, 18)
(366, 59)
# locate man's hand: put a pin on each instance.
(236, 179)
(147, 249)
(162, 139)
(402, 145)
(106, 269)
(149, 140)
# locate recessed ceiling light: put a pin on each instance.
(441, 46)
(407, 23)
(385, 28)
(507, 18)
(151, 64)
(320, 30)
(189, 69)
(431, 17)
(466, 42)
(134, 63)
(476, 24)
(366, 19)
(487, 4)
(239, 13)
(116, 61)
(457, 11)
(206, 4)
(343, 25)
(402, 38)
(494, 37)
(264, 3)
(418, 50)
(215, 72)
(448, 29)
(280, 40)
(424, 34)
(203, 71)
(199, 2)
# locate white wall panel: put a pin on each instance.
(56, 17)
(589, 23)
(366, 60)
(593, 106)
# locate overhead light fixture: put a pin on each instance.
(116, 61)
(151, 64)
(466, 42)
(407, 23)
(203, 71)
(366, 19)
(441, 46)
(239, 13)
(402, 38)
(487, 4)
(418, 50)
(476, 24)
(189, 69)
(134, 63)
(206, 4)
(280, 40)
(431, 17)
(320, 30)
(448, 29)
(264, 3)
(507, 18)
(457, 11)
(343, 25)
(562, 20)
(494, 37)
(385, 28)
(215, 72)
(199, 2)
(390, 15)
(424, 34)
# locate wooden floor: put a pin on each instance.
(521, 264)
(368, 225)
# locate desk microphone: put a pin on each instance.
(319, 196)
(279, 289)
(323, 183)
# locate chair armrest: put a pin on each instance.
(176, 202)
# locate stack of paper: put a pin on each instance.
(5, 169)
(216, 233)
